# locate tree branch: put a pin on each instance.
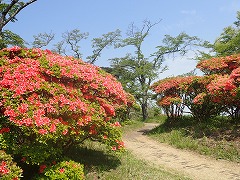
(4, 20)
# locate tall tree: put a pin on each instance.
(137, 71)
(8, 13)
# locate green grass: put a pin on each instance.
(102, 164)
(217, 137)
(131, 125)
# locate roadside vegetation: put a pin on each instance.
(217, 137)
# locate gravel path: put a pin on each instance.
(192, 165)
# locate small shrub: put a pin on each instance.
(8, 169)
(62, 170)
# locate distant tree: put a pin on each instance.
(73, 38)
(8, 12)
(68, 46)
(136, 71)
(228, 42)
(42, 39)
(70, 43)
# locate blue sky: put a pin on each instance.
(203, 18)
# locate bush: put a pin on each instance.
(8, 169)
(49, 102)
(62, 170)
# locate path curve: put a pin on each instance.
(193, 165)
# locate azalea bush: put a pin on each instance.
(172, 94)
(205, 96)
(49, 103)
(224, 88)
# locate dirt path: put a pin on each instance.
(192, 165)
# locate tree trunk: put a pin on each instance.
(144, 111)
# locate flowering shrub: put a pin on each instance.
(171, 85)
(224, 88)
(62, 170)
(51, 102)
(172, 94)
(176, 93)
(8, 169)
(209, 95)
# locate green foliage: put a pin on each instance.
(98, 44)
(8, 168)
(42, 39)
(228, 42)
(9, 38)
(124, 113)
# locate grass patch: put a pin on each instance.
(102, 164)
(131, 125)
(217, 137)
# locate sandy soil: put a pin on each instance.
(188, 163)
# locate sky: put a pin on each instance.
(205, 19)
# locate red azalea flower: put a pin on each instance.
(42, 131)
(42, 168)
(62, 170)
